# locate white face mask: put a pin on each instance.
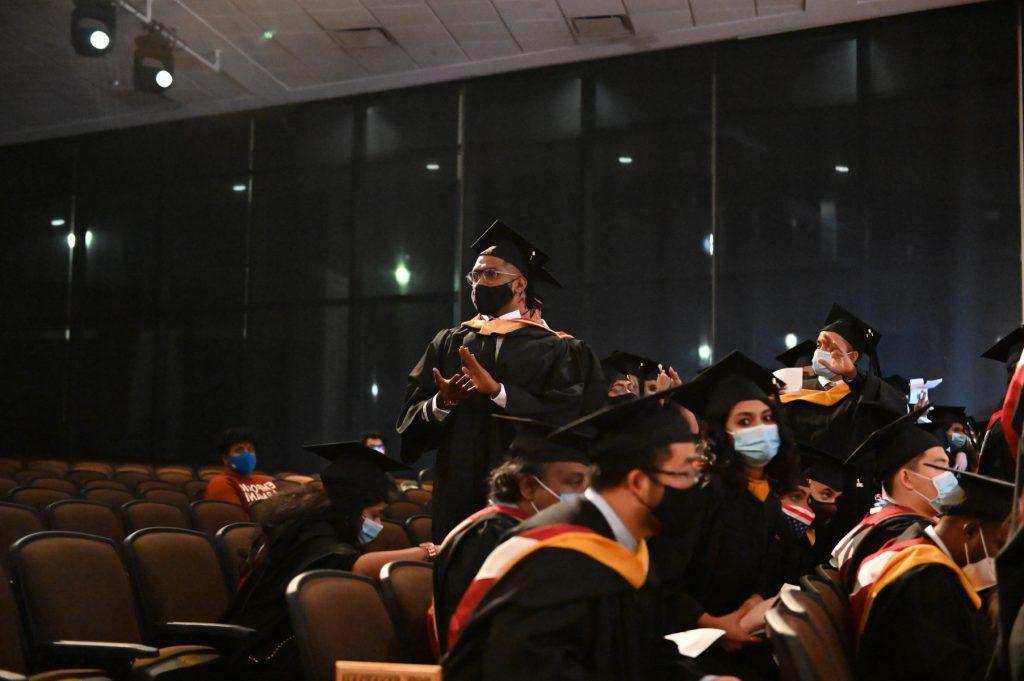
(981, 574)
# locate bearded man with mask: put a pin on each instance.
(506, 360)
(918, 605)
(567, 596)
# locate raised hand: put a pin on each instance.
(478, 376)
(452, 391)
(840, 363)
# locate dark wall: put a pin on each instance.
(242, 269)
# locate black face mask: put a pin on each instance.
(823, 512)
(488, 300)
(677, 510)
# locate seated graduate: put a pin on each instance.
(742, 552)
(809, 502)
(307, 529)
(898, 455)
(843, 404)
(237, 484)
(949, 426)
(541, 472)
(918, 606)
(563, 598)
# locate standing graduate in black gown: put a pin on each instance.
(505, 361)
(841, 405)
(540, 473)
(996, 459)
(919, 606)
(565, 596)
(743, 552)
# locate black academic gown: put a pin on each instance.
(459, 560)
(548, 378)
(995, 459)
(923, 627)
(1008, 660)
(271, 653)
(873, 539)
(558, 614)
(838, 430)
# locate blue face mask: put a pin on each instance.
(243, 464)
(564, 496)
(757, 445)
(944, 483)
(369, 531)
(819, 368)
(958, 440)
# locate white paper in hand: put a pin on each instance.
(919, 388)
(695, 641)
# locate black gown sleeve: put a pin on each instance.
(421, 432)
(923, 626)
(561, 393)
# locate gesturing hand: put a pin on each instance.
(840, 363)
(454, 390)
(480, 377)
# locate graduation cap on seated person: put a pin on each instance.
(800, 355)
(501, 241)
(946, 416)
(977, 496)
(735, 378)
(620, 364)
(534, 441)
(355, 469)
(861, 336)
(1008, 348)
(821, 466)
(893, 445)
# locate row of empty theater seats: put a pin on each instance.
(811, 630)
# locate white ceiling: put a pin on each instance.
(49, 91)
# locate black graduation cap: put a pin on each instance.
(355, 468)
(945, 415)
(821, 466)
(800, 355)
(861, 336)
(1008, 348)
(900, 383)
(894, 444)
(620, 364)
(534, 441)
(503, 242)
(630, 426)
(733, 379)
(977, 496)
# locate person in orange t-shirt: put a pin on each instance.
(237, 484)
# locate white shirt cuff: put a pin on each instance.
(439, 413)
(501, 398)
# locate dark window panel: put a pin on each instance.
(411, 121)
(313, 135)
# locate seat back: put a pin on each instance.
(209, 515)
(167, 496)
(147, 485)
(420, 497)
(98, 466)
(26, 476)
(132, 477)
(16, 521)
(59, 484)
(338, 616)
(832, 578)
(57, 467)
(176, 575)
(827, 655)
(142, 513)
(400, 511)
(87, 517)
(8, 467)
(73, 587)
(233, 543)
(789, 635)
(176, 479)
(12, 656)
(391, 538)
(6, 485)
(114, 498)
(36, 497)
(106, 484)
(420, 529)
(837, 608)
(194, 489)
(408, 590)
(177, 470)
(80, 476)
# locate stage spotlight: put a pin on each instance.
(154, 63)
(92, 27)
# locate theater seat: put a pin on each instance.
(420, 529)
(79, 608)
(838, 608)
(80, 476)
(13, 657)
(400, 511)
(391, 538)
(88, 517)
(8, 467)
(209, 515)
(131, 476)
(114, 498)
(408, 589)
(339, 616)
(194, 489)
(36, 497)
(6, 485)
(147, 485)
(167, 496)
(233, 543)
(16, 521)
(106, 484)
(825, 652)
(26, 476)
(181, 588)
(141, 513)
(58, 484)
(418, 496)
(58, 467)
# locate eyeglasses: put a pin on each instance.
(489, 276)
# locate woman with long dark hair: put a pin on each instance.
(310, 528)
